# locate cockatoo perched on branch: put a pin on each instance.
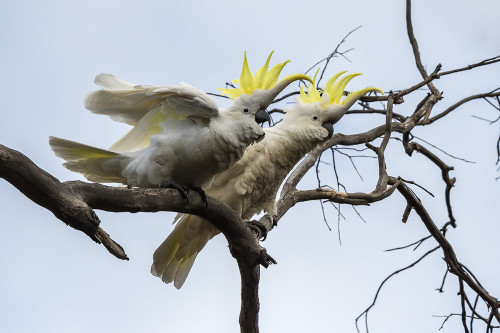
(252, 184)
(180, 138)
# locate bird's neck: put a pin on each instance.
(229, 140)
(288, 144)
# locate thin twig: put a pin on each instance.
(331, 55)
(485, 62)
(414, 45)
(442, 150)
(217, 95)
(441, 288)
(387, 279)
(420, 241)
(462, 303)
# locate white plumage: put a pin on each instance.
(179, 135)
(251, 185)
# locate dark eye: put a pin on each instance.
(315, 117)
(245, 111)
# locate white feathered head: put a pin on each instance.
(318, 108)
(332, 102)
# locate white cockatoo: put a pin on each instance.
(179, 138)
(251, 185)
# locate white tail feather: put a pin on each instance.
(174, 258)
(183, 271)
(95, 164)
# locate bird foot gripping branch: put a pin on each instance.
(259, 229)
(183, 190)
(202, 194)
(248, 187)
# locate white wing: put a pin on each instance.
(128, 103)
(145, 107)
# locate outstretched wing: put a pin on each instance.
(128, 103)
(145, 107)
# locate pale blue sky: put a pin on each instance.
(55, 279)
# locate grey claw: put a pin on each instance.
(259, 229)
(182, 189)
(202, 194)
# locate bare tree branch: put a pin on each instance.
(462, 302)
(492, 93)
(441, 150)
(249, 313)
(414, 45)
(485, 62)
(332, 55)
(61, 199)
(454, 265)
(365, 313)
(73, 203)
(445, 169)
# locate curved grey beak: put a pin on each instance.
(262, 116)
(328, 125)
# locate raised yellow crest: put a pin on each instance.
(264, 79)
(333, 93)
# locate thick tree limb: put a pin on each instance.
(73, 203)
(45, 190)
(249, 313)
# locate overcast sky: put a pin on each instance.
(55, 279)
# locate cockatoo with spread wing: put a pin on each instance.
(179, 138)
(251, 185)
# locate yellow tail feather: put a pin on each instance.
(95, 164)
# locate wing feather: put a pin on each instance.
(129, 103)
(138, 137)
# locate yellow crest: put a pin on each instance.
(264, 79)
(333, 93)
